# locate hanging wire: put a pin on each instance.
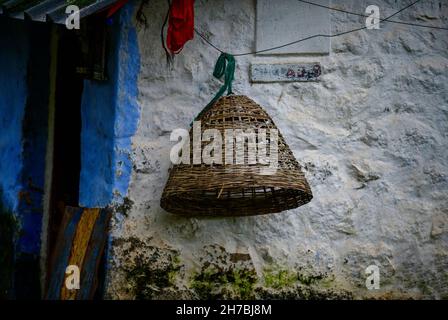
(365, 16)
(207, 41)
(311, 37)
(169, 57)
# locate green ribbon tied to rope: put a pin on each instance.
(225, 66)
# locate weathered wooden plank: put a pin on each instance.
(61, 254)
(81, 242)
(97, 244)
(79, 246)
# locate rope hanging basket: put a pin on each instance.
(236, 189)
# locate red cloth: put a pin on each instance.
(115, 7)
(180, 24)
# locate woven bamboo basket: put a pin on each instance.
(236, 189)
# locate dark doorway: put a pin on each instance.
(67, 133)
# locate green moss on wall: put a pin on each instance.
(279, 278)
(215, 283)
(124, 207)
(309, 279)
(152, 271)
(149, 269)
(148, 281)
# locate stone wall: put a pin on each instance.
(371, 135)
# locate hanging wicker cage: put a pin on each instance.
(236, 189)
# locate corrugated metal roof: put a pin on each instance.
(49, 10)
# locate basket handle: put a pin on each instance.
(225, 66)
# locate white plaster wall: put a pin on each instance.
(371, 135)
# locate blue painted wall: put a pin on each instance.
(34, 138)
(13, 91)
(13, 69)
(110, 116)
(24, 65)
